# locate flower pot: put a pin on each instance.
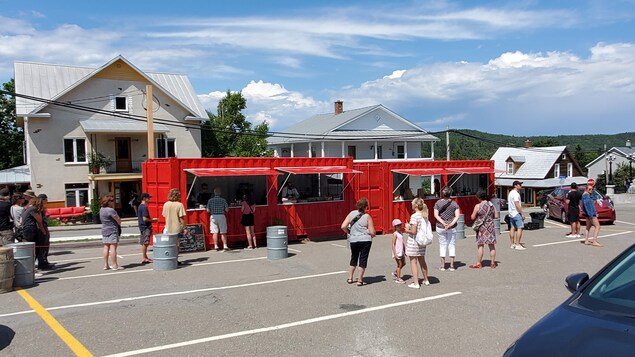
(94, 170)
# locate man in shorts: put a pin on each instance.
(573, 213)
(516, 216)
(145, 226)
(217, 207)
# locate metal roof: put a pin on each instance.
(538, 161)
(325, 126)
(120, 126)
(545, 183)
(18, 174)
(49, 81)
(622, 151)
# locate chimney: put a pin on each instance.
(628, 143)
(339, 107)
(528, 143)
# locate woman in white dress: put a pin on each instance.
(415, 251)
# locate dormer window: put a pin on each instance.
(556, 170)
(121, 104)
(570, 169)
(510, 167)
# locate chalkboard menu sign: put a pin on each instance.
(193, 239)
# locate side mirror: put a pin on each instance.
(573, 282)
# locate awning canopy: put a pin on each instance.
(18, 174)
(223, 171)
(306, 170)
(115, 177)
(120, 126)
(422, 172)
(475, 170)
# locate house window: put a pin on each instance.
(285, 152)
(166, 148)
(352, 152)
(76, 194)
(121, 104)
(75, 150)
(380, 154)
(510, 168)
(400, 152)
(556, 170)
(570, 169)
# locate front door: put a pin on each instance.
(122, 155)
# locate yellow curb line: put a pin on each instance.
(70, 341)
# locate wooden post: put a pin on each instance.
(149, 113)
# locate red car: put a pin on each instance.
(557, 207)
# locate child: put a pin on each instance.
(398, 249)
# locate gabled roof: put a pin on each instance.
(538, 161)
(622, 151)
(329, 126)
(50, 82)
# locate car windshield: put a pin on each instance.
(614, 290)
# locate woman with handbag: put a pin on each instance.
(417, 252)
(483, 215)
(447, 213)
(359, 227)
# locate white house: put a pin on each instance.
(69, 112)
(537, 167)
(369, 133)
(612, 158)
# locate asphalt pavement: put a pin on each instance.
(241, 303)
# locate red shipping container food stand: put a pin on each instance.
(325, 194)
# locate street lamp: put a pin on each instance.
(610, 158)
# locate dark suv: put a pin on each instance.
(557, 207)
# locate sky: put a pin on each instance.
(520, 68)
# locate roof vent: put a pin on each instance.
(628, 143)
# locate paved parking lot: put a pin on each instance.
(239, 303)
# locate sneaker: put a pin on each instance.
(578, 236)
(426, 283)
(570, 236)
(413, 285)
(226, 250)
(520, 247)
(442, 268)
(513, 246)
(400, 281)
(394, 274)
(452, 269)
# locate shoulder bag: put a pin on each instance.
(478, 222)
(424, 232)
(353, 221)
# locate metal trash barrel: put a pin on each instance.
(24, 258)
(277, 241)
(497, 226)
(460, 227)
(7, 270)
(165, 252)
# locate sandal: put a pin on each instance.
(360, 283)
(146, 261)
(350, 281)
(476, 266)
(493, 265)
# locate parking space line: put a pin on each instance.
(175, 293)
(579, 240)
(558, 224)
(146, 270)
(294, 250)
(92, 258)
(280, 327)
(59, 330)
(339, 245)
(632, 224)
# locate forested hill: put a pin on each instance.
(476, 145)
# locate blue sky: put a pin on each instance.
(520, 68)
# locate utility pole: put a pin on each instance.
(149, 113)
(447, 143)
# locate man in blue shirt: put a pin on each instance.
(145, 226)
(217, 207)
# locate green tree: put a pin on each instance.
(12, 136)
(229, 133)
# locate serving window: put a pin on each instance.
(233, 184)
(312, 184)
(411, 183)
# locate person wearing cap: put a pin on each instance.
(29, 194)
(516, 216)
(398, 249)
(6, 226)
(145, 226)
(44, 239)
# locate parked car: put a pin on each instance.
(557, 207)
(599, 317)
(503, 203)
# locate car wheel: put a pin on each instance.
(563, 217)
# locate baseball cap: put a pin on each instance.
(396, 222)
(145, 195)
(517, 183)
